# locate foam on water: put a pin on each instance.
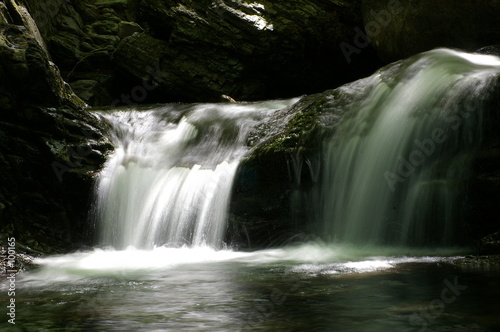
(311, 258)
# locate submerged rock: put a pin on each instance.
(490, 245)
(487, 262)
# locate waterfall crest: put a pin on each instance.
(394, 170)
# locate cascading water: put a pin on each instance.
(170, 178)
(391, 173)
(394, 170)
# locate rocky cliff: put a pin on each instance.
(50, 145)
(56, 56)
(128, 52)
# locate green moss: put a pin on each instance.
(302, 132)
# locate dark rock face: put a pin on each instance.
(246, 50)
(27, 75)
(49, 145)
(260, 212)
(47, 160)
(485, 184)
(490, 245)
(398, 29)
(158, 51)
(81, 37)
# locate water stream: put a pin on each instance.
(170, 178)
(396, 169)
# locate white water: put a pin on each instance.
(169, 180)
(310, 259)
(396, 167)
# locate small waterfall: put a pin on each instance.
(170, 179)
(395, 169)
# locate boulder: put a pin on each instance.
(127, 29)
(282, 167)
(398, 29)
(490, 245)
(266, 182)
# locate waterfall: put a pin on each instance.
(395, 169)
(170, 178)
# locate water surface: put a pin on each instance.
(312, 287)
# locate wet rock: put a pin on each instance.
(260, 212)
(49, 158)
(490, 245)
(486, 263)
(28, 75)
(21, 262)
(127, 29)
(490, 50)
(245, 50)
(50, 146)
